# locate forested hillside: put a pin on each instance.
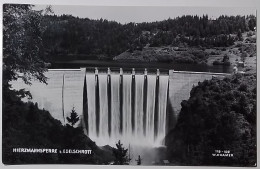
(27, 126)
(69, 38)
(219, 115)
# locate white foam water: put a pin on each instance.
(138, 127)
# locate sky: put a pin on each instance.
(137, 14)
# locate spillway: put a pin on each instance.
(125, 105)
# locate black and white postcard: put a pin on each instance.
(129, 85)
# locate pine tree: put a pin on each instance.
(243, 56)
(239, 35)
(74, 118)
(139, 160)
(120, 154)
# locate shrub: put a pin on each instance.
(216, 62)
(239, 44)
(243, 87)
(214, 53)
(226, 63)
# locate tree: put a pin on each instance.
(120, 154)
(243, 56)
(225, 60)
(139, 160)
(23, 54)
(74, 118)
(239, 35)
(252, 23)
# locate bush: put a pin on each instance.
(214, 53)
(226, 63)
(225, 58)
(250, 33)
(250, 40)
(239, 44)
(216, 62)
(200, 54)
(243, 87)
(185, 57)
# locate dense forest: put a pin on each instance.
(68, 38)
(219, 115)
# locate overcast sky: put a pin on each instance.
(126, 14)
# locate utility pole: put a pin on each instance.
(129, 158)
(63, 99)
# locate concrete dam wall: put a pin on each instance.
(180, 85)
(125, 104)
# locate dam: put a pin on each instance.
(137, 106)
(129, 105)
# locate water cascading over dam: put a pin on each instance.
(125, 105)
